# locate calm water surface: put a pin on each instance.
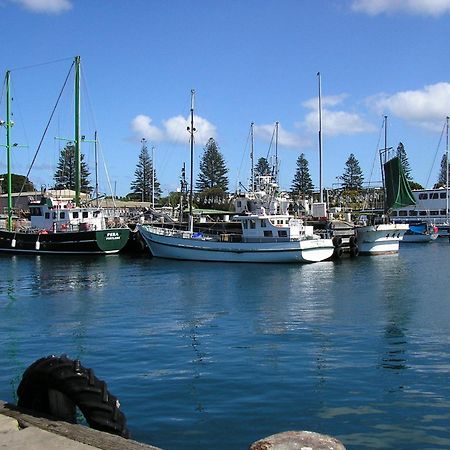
(217, 355)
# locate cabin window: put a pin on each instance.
(238, 203)
(282, 233)
(47, 215)
(422, 213)
(403, 213)
(36, 211)
(53, 215)
(252, 224)
(75, 214)
(263, 223)
(423, 196)
(85, 214)
(443, 213)
(443, 195)
(62, 215)
(394, 214)
(267, 233)
(434, 196)
(434, 213)
(279, 222)
(413, 212)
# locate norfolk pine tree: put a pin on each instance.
(141, 186)
(64, 176)
(302, 183)
(353, 178)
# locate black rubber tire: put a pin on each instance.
(78, 386)
(337, 241)
(354, 251)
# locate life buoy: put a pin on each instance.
(74, 386)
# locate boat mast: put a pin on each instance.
(276, 153)
(384, 151)
(320, 137)
(77, 132)
(96, 167)
(191, 130)
(252, 158)
(446, 171)
(8, 124)
(153, 177)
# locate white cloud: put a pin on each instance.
(420, 7)
(285, 138)
(46, 6)
(333, 122)
(427, 107)
(176, 129)
(143, 128)
(173, 130)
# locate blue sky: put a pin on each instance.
(248, 61)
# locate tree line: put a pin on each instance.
(212, 184)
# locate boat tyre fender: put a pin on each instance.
(337, 241)
(354, 251)
(337, 252)
(55, 386)
(352, 241)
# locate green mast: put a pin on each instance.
(8, 126)
(77, 139)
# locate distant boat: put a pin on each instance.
(265, 238)
(384, 237)
(59, 226)
(420, 233)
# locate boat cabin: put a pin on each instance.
(273, 227)
(59, 216)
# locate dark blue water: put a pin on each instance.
(218, 356)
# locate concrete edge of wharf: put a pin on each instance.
(21, 429)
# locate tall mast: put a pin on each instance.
(252, 158)
(8, 125)
(320, 138)
(77, 132)
(446, 171)
(276, 153)
(381, 160)
(96, 167)
(191, 130)
(153, 177)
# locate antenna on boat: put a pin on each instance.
(320, 137)
(252, 158)
(191, 130)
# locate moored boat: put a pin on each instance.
(58, 226)
(384, 237)
(265, 238)
(420, 233)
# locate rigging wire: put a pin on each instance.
(40, 64)
(46, 129)
(435, 153)
(244, 154)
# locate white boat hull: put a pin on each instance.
(419, 238)
(169, 246)
(380, 239)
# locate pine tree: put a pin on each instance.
(262, 168)
(213, 170)
(401, 153)
(142, 185)
(442, 180)
(353, 177)
(64, 176)
(302, 183)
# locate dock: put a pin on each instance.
(20, 429)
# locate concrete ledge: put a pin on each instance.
(21, 429)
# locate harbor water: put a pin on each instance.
(212, 355)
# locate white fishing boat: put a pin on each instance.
(384, 237)
(265, 238)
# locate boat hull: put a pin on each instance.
(184, 248)
(78, 242)
(380, 239)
